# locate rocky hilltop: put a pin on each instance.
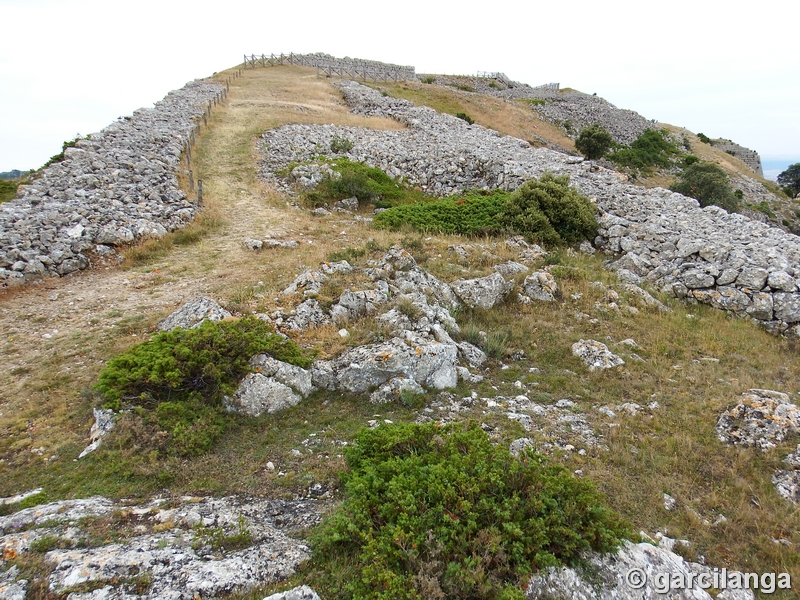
(600, 358)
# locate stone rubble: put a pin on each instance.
(179, 546)
(302, 592)
(702, 254)
(116, 187)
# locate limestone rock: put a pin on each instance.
(518, 446)
(510, 268)
(11, 587)
(193, 314)
(295, 377)
(103, 424)
(474, 356)
(346, 205)
(299, 593)
(763, 418)
(788, 484)
(484, 292)
(540, 286)
(258, 394)
(618, 576)
(308, 315)
(392, 389)
(596, 355)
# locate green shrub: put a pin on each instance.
(705, 139)
(594, 141)
(546, 211)
(707, 183)
(429, 79)
(368, 184)
(198, 365)
(690, 160)
(470, 214)
(549, 211)
(465, 117)
(341, 144)
(434, 512)
(652, 148)
(790, 180)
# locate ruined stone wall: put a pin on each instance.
(117, 186)
(705, 254)
(747, 156)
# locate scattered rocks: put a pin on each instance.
(274, 386)
(763, 418)
(193, 314)
(596, 355)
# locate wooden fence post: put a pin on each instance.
(200, 192)
(191, 180)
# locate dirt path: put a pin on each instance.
(57, 333)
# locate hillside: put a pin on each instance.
(643, 431)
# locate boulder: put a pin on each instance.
(762, 418)
(258, 394)
(295, 377)
(193, 314)
(540, 286)
(484, 292)
(596, 355)
(392, 389)
(103, 424)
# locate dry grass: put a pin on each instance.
(510, 118)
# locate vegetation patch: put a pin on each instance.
(709, 184)
(434, 512)
(473, 213)
(177, 378)
(368, 184)
(594, 141)
(545, 210)
(653, 148)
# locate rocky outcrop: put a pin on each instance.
(485, 292)
(193, 314)
(199, 547)
(103, 424)
(115, 187)
(275, 385)
(638, 572)
(765, 418)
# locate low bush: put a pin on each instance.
(473, 213)
(705, 139)
(341, 144)
(549, 211)
(368, 184)
(545, 210)
(707, 183)
(594, 141)
(653, 148)
(198, 365)
(465, 117)
(435, 512)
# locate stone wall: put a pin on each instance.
(115, 187)
(351, 68)
(702, 254)
(747, 156)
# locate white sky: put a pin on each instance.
(725, 69)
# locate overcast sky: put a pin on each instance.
(71, 67)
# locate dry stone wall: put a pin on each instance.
(702, 254)
(117, 186)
